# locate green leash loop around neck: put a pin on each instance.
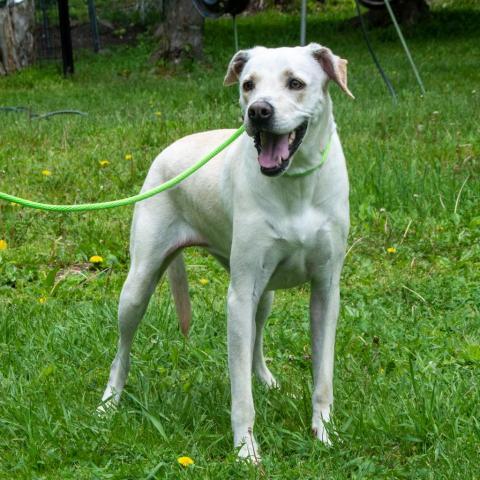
(311, 170)
(84, 207)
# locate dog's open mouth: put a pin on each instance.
(275, 151)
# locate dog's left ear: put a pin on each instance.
(235, 67)
(334, 66)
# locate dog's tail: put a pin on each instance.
(177, 276)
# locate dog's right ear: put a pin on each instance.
(235, 67)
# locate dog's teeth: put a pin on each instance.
(291, 137)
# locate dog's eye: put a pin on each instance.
(294, 84)
(248, 86)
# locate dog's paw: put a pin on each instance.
(109, 404)
(265, 376)
(320, 420)
(320, 433)
(249, 451)
(106, 409)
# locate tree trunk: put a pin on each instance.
(181, 33)
(17, 21)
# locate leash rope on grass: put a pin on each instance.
(41, 116)
(84, 207)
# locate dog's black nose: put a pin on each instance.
(260, 111)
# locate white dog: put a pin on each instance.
(272, 208)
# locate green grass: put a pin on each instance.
(408, 344)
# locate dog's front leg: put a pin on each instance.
(324, 308)
(242, 306)
(246, 287)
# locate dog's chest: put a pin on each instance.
(302, 242)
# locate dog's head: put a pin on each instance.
(281, 91)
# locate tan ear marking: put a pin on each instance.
(342, 76)
(334, 66)
(237, 63)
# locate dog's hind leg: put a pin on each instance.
(136, 293)
(156, 238)
(259, 366)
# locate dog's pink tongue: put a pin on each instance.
(274, 150)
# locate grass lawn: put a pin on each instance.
(408, 343)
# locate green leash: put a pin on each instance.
(85, 207)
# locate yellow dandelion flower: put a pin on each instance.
(42, 300)
(96, 259)
(128, 156)
(391, 250)
(104, 163)
(185, 461)
(158, 114)
(203, 281)
(3, 245)
(13, 204)
(46, 173)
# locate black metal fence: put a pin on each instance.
(95, 24)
